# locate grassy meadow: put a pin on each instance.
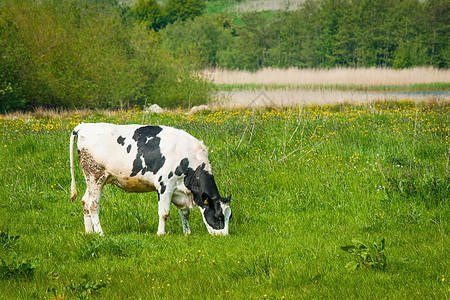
(305, 181)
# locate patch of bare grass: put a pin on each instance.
(344, 76)
(264, 5)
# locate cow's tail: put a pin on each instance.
(73, 187)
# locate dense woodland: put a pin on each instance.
(110, 54)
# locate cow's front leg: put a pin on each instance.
(95, 217)
(184, 215)
(163, 211)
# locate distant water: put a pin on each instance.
(292, 97)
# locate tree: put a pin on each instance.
(183, 10)
(149, 13)
(436, 26)
(198, 41)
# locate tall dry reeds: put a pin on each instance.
(346, 76)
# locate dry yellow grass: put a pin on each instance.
(348, 76)
(53, 113)
(261, 5)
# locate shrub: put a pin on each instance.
(366, 256)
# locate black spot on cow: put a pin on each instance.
(163, 188)
(121, 140)
(182, 168)
(160, 178)
(170, 175)
(202, 184)
(129, 148)
(149, 156)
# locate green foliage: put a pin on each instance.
(199, 41)
(372, 256)
(329, 33)
(148, 13)
(84, 54)
(7, 240)
(182, 10)
(155, 16)
(17, 269)
(82, 289)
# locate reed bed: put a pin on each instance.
(344, 76)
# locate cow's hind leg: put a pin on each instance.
(184, 214)
(95, 179)
(91, 203)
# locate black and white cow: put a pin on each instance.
(140, 159)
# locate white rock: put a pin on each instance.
(198, 108)
(155, 108)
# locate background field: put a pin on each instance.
(287, 87)
(304, 181)
(121, 54)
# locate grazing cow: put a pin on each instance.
(140, 159)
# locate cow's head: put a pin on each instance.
(216, 215)
(216, 211)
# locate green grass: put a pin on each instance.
(418, 87)
(304, 181)
(217, 7)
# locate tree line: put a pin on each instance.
(320, 34)
(104, 54)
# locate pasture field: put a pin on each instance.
(305, 181)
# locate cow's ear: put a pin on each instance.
(226, 200)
